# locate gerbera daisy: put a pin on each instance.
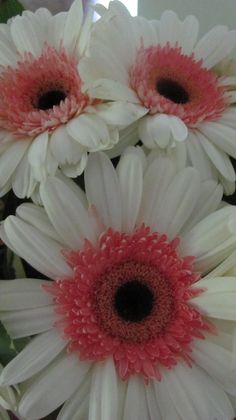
(7, 400)
(139, 320)
(46, 120)
(161, 66)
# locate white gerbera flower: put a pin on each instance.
(7, 400)
(46, 120)
(139, 321)
(161, 66)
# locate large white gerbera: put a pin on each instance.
(139, 321)
(46, 120)
(161, 66)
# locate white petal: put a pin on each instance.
(218, 158)
(127, 137)
(217, 362)
(155, 130)
(156, 181)
(64, 148)
(178, 202)
(198, 158)
(195, 395)
(135, 404)
(220, 135)
(209, 42)
(225, 267)
(38, 150)
(90, 131)
(103, 404)
(10, 159)
(56, 384)
(130, 172)
(23, 294)
(103, 190)
(153, 408)
(169, 28)
(43, 253)
(218, 301)
(167, 408)
(28, 33)
(8, 52)
(208, 201)
(190, 28)
(28, 322)
(211, 232)
(111, 90)
(23, 182)
(73, 25)
(223, 49)
(77, 407)
(33, 358)
(120, 113)
(36, 216)
(66, 212)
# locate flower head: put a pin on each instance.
(165, 69)
(46, 120)
(137, 269)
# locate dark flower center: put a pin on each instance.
(172, 90)
(133, 301)
(50, 99)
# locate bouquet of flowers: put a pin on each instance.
(117, 138)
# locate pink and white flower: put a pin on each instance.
(138, 320)
(161, 66)
(46, 121)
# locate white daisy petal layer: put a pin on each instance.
(55, 385)
(135, 407)
(43, 253)
(77, 407)
(34, 357)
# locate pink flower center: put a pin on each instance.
(129, 299)
(167, 81)
(41, 93)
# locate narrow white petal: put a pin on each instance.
(37, 217)
(23, 182)
(103, 404)
(10, 159)
(178, 202)
(166, 406)
(127, 137)
(209, 233)
(73, 24)
(38, 149)
(130, 172)
(155, 130)
(64, 148)
(218, 300)
(43, 253)
(111, 90)
(221, 135)
(34, 357)
(55, 385)
(224, 48)
(23, 294)
(217, 362)
(28, 322)
(29, 33)
(120, 113)
(198, 158)
(156, 181)
(90, 131)
(77, 407)
(208, 201)
(66, 212)
(135, 403)
(103, 190)
(8, 52)
(153, 408)
(169, 28)
(218, 158)
(225, 267)
(190, 28)
(209, 42)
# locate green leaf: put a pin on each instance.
(7, 350)
(8, 9)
